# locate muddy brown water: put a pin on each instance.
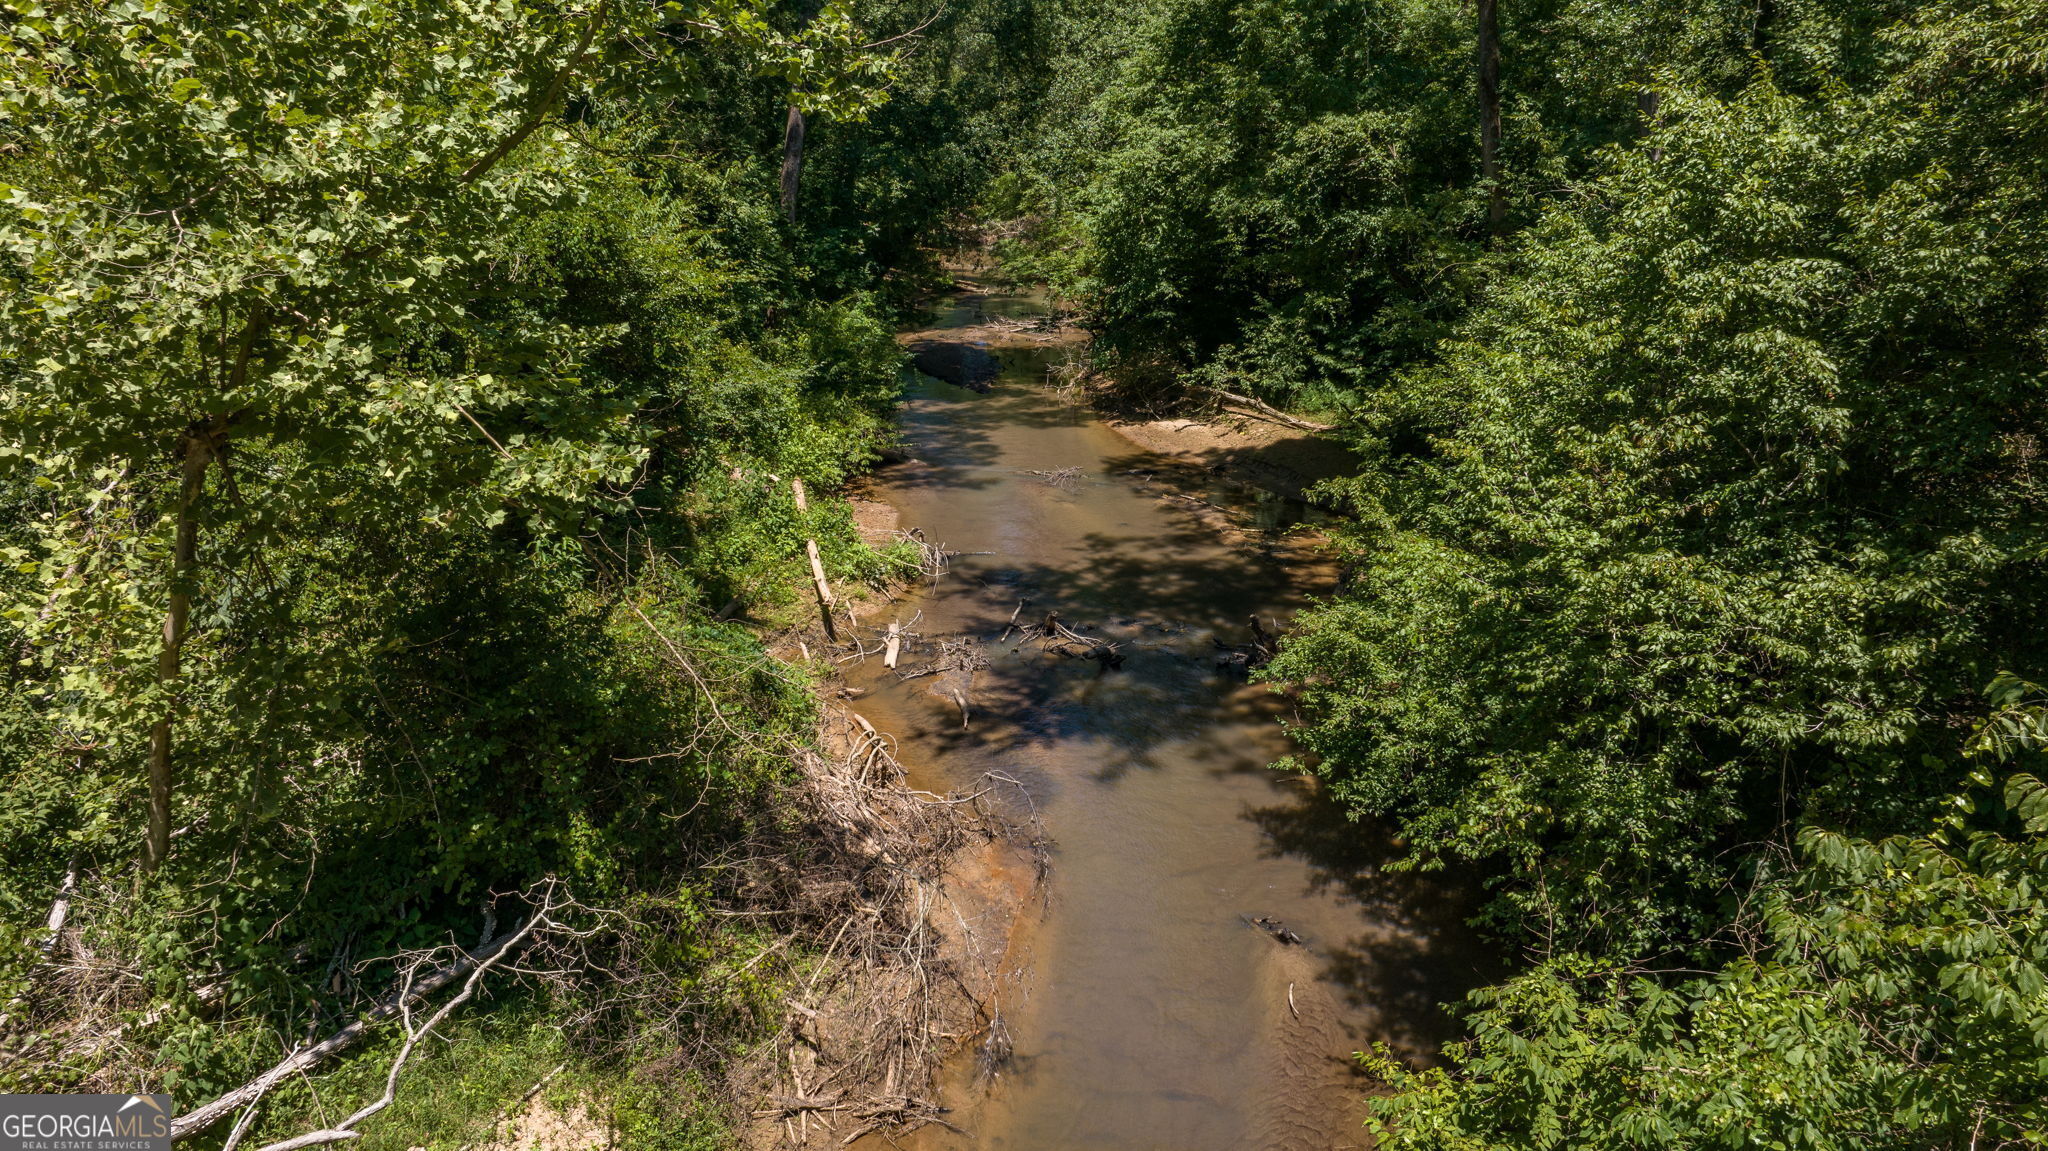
(1145, 1012)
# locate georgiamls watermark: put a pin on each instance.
(85, 1123)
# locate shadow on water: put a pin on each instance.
(1152, 1015)
(1416, 955)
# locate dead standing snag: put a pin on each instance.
(818, 581)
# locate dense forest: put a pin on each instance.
(401, 401)
(400, 398)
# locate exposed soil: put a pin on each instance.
(1258, 452)
(543, 1127)
(877, 521)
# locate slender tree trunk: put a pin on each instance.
(1647, 102)
(1489, 116)
(793, 128)
(792, 160)
(196, 451)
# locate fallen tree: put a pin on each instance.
(417, 982)
(1270, 412)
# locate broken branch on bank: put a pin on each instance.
(416, 983)
(1270, 412)
(818, 581)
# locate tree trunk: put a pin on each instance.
(793, 128)
(303, 1059)
(197, 451)
(1489, 116)
(1647, 102)
(792, 160)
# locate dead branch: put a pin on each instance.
(1058, 639)
(1243, 658)
(888, 643)
(551, 902)
(1011, 625)
(900, 1114)
(787, 1106)
(1057, 477)
(413, 989)
(956, 664)
(933, 560)
(60, 910)
(1272, 413)
(818, 581)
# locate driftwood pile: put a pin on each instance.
(893, 990)
(1056, 638)
(1057, 477)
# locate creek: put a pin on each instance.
(1146, 1011)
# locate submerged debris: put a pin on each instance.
(1059, 639)
(1280, 932)
(1057, 477)
(955, 664)
(1244, 658)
